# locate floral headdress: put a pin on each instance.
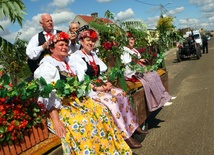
(129, 34)
(88, 33)
(62, 36)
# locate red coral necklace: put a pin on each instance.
(92, 63)
(67, 67)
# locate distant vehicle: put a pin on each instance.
(188, 50)
(197, 37)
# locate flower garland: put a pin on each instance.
(19, 109)
(154, 60)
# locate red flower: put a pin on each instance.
(1, 107)
(141, 50)
(93, 35)
(3, 112)
(63, 36)
(73, 94)
(128, 34)
(2, 100)
(10, 128)
(155, 55)
(107, 45)
(15, 112)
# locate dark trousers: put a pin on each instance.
(205, 47)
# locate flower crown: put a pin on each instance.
(88, 34)
(62, 36)
(129, 34)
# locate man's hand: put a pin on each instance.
(46, 45)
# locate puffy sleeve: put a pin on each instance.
(50, 74)
(102, 65)
(33, 51)
(125, 56)
(79, 65)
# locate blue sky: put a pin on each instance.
(188, 13)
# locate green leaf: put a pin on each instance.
(43, 82)
(6, 11)
(3, 129)
(46, 90)
(16, 123)
(60, 84)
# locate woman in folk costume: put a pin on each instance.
(87, 62)
(156, 94)
(84, 127)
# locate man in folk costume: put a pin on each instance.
(39, 44)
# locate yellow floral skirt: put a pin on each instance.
(90, 130)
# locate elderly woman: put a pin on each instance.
(84, 127)
(156, 94)
(86, 62)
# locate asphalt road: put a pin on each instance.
(187, 126)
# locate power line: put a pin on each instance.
(146, 3)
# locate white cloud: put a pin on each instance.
(5, 23)
(62, 3)
(151, 22)
(211, 19)
(200, 2)
(188, 22)
(177, 10)
(128, 14)
(208, 7)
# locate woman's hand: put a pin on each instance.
(59, 128)
(142, 62)
(104, 88)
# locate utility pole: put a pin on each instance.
(162, 7)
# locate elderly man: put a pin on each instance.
(38, 44)
(74, 46)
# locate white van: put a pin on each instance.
(197, 36)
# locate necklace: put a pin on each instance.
(67, 67)
(92, 63)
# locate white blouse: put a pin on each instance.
(50, 73)
(126, 58)
(76, 61)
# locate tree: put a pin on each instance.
(109, 15)
(14, 11)
(166, 28)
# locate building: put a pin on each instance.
(85, 20)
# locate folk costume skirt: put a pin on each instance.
(118, 103)
(90, 130)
